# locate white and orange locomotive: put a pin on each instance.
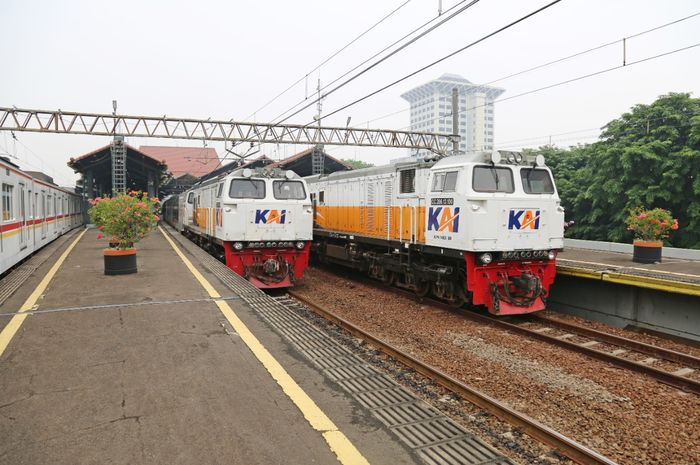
(258, 222)
(481, 228)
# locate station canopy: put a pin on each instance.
(143, 172)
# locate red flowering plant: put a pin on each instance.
(127, 218)
(651, 225)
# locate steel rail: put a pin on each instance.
(665, 377)
(566, 446)
(641, 347)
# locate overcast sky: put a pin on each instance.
(226, 59)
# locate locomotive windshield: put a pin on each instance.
(492, 179)
(536, 181)
(247, 189)
(288, 190)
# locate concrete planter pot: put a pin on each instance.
(647, 251)
(120, 261)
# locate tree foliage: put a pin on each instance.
(356, 164)
(649, 157)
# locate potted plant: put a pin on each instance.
(650, 227)
(126, 218)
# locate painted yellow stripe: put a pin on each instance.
(9, 331)
(340, 445)
(676, 287)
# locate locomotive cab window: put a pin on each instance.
(190, 197)
(288, 190)
(493, 179)
(536, 181)
(247, 189)
(220, 190)
(407, 181)
(444, 182)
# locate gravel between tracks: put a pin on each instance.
(623, 415)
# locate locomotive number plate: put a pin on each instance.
(442, 201)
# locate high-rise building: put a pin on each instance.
(431, 110)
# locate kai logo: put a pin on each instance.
(524, 219)
(442, 219)
(270, 216)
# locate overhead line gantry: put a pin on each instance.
(97, 124)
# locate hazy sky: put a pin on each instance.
(226, 59)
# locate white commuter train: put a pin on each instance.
(32, 214)
(258, 222)
(480, 228)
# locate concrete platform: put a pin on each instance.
(159, 368)
(152, 381)
(607, 286)
(675, 275)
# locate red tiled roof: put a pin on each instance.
(196, 161)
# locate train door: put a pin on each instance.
(35, 217)
(22, 217)
(43, 216)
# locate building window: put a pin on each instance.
(407, 181)
(7, 202)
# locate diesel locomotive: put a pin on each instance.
(481, 228)
(258, 222)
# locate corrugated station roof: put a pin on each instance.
(196, 161)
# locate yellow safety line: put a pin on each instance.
(674, 273)
(676, 287)
(9, 331)
(342, 447)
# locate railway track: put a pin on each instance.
(677, 378)
(591, 338)
(566, 446)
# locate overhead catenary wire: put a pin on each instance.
(384, 50)
(418, 37)
(440, 60)
(330, 57)
(444, 17)
(549, 63)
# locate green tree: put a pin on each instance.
(356, 164)
(649, 157)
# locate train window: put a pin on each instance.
(7, 202)
(492, 179)
(221, 189)
(288, 190)
(322, 197)
(536, 181)
(407, 181)
(190, 197)
(444, 182)
(247, 189)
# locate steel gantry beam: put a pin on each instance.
(65, 122)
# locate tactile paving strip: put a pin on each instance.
(436, 439)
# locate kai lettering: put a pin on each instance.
(270, 216)
(443, 219)
(524, 220)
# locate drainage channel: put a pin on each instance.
(435, 438)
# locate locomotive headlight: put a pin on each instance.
(485, 258)
(551, 255)
(300, 245)
(238, 245)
